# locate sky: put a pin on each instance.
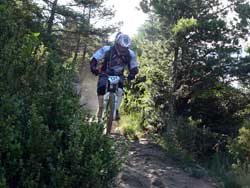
(126, 12)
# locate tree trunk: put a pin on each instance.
(172, 107)
(76, 49)
(52, 17)
(83, 59)
(86, 43)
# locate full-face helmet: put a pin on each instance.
(123, 40)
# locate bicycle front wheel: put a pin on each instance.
(110, 112)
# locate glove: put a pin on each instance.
(95, 71)
(131, 77)
(132, 73)
(93, 65)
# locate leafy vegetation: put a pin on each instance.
(193, 90)
(45, 140)
(193, 87)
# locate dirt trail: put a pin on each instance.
(147, 164)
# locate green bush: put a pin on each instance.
(150, 92)
(242, 177)
(130, 125)
(32, 155)
(240, 147)
(201, 143)
(45, 140)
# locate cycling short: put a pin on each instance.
(101, 85)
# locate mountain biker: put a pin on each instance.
(115, 59)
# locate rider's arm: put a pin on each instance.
(98, 55)
(133, 66)
(93, 66)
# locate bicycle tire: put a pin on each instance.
(110, 114)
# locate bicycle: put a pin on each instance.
(110, 101)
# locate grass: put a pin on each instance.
(129, 126)
(243, 178)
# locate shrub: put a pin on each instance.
(45, 140)
(130, 125)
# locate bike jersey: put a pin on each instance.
(115, 63)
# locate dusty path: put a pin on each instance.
(88, 83)
(147, 164)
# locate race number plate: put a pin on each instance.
(113, 79)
